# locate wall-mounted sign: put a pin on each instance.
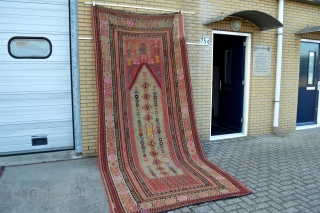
(205, 41)
(261, 60)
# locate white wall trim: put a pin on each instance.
(247, 71)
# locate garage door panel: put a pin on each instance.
(41, 12)
(40, 65)
(29, 28)
(49, 21)
(35, 118)
(29, 5)
(34, 110)
(38, 1)
(30, 33)
(25, 136)
(34, 96)
(37, 73)
(52, 59)
(26, 141)
(33, 103)
(29, 148)
(34, 88)
(29, 81)
(29, 127)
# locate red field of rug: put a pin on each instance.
(150, 155)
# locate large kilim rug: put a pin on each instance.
(150, 155)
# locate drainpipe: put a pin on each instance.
(276, 130)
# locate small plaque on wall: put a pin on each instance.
(261, 60)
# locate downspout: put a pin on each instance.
(276, 130)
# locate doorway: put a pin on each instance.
(308, 94)
(229, 89)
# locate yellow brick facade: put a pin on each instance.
(296, 17)
(262, 89)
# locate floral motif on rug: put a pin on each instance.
(150, 155)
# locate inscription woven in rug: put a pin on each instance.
(150, 155)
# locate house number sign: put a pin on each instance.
(205, 41)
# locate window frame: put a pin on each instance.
(31, 57)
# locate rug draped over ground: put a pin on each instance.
(150, 155)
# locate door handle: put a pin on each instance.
(220, 84)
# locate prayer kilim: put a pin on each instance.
(150, 155)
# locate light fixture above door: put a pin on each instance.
(235, 24)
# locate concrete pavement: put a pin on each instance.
(72, 186)
(283, 173)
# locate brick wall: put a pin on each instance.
(88, 93)
(296, 17)
(200, 59)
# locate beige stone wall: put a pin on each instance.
(200, 60)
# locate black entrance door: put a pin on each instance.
(231, 83)
(308, 80)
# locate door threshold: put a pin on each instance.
(307, 127)
(227, 136)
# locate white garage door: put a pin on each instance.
(35, 80)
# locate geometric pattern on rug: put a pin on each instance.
(150, 155)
